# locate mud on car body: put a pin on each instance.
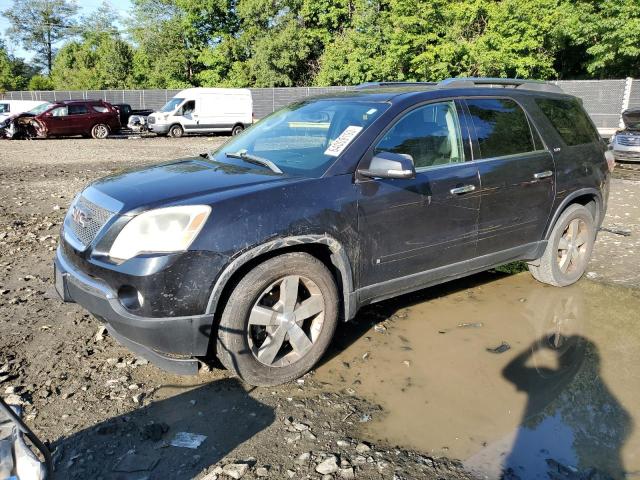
(254, 252)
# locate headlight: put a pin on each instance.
(170, 229)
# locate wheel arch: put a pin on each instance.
(324, 247)
(588, 197)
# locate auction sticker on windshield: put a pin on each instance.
(343, 141)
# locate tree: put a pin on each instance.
(97, 61)
(40, 82)
(39, 25)
(171, 35)
(609, 31)
(14, 72)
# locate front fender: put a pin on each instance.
(339, 259)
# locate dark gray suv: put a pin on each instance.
(255, 251)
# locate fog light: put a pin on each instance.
(130, 297)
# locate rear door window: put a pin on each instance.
(78, 109)
(4, 108)
(502, 127)
(430, 134)
(570, 120)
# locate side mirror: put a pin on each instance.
(390, 165)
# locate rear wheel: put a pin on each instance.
(279, 320)
(237, 130)
(100, 131)
(569, 248)
(176, 131)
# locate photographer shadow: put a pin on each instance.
(573, 427)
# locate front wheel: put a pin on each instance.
(100, 131)
(568, 250)
(237, 130)
(176, 131)
(279, 320)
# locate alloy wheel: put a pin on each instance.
(100, 131)
(572, 247)
(286, 321)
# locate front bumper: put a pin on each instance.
(151, 338)
(160, 129)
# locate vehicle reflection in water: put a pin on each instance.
(559, 403)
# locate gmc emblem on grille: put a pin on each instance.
(79, 216)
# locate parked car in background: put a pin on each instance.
(255, 251)
(125, 111)
(89, 118)
(626, 143)
(10, 108)
(204, 110)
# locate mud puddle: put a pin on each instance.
(516, 379)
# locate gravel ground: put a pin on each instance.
(108, 414)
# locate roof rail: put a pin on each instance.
(364, 86)
(471, 82)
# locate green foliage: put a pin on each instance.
(271, 43)
(98, 61)
(38, 25)
(14, 72)
(40, 82)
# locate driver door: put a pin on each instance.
(411, 228)
(56, 121)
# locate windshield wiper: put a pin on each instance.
(247, 157)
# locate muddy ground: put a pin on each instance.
(375, 408)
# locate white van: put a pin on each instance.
(204, 110)
(9, 108)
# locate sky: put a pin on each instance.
(86, 7)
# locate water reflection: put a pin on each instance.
(547, 408)
(581, 431)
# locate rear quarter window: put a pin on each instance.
(102, 108)
(502, 127)
(570, 120)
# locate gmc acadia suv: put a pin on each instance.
(255, 251)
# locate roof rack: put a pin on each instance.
(471, 82)
(366, 85)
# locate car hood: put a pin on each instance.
(631, 119)
(172, 183)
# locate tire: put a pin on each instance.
(176, 131)
(100, 131)
(242, 345)
(565, 261)
(237, 130)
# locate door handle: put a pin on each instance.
(545, 174)
(461, 190)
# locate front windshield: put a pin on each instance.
(305, 138)
(172, 105)
(39, 109)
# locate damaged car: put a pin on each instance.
(626, 143)
(22, 455)
(254, 252)
(25, 125)
(89, 118)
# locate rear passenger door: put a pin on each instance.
(78, 119)
(517, 174)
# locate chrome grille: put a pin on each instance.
(628, 140)
(96, 218)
